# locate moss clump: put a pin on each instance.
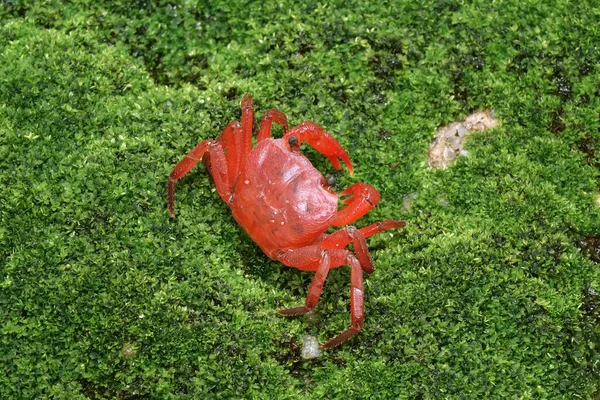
(490, 290)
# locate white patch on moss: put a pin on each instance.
(449, 140)
(310, 347)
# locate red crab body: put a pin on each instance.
(280, 199)
(286, 205)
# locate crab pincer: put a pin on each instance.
(321, 141)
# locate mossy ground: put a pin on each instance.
(491, 290)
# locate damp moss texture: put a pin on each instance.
(490, 291)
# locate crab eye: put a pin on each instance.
(331, 180)
(293, 141)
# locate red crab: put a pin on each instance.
(286, 205)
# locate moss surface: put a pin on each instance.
(491, 290)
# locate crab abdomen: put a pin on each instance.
(280, 199)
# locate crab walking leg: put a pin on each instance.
(268, 118)
(381, 226)
(357, 306)
(362, 199)
(320, 140)
(315, 289)
(305, 259)
(236, 140)
(231, 142)
(218, 167)
(244, 139)
(342, 238)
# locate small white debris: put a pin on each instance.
(449, 140)
(310, 347)
(246, 181)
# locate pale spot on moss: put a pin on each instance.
(310, 347)
(449, 140)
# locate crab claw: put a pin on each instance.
(321, 141)
(362, 198)
(360, 189)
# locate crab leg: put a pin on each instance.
(268, 118)
(231, 142)
(315, 289)
(362, 199)
(244, 141)
(236, 140)
(357, 307)
(218, 170)
(320, 140)
(305, 259)
(329, 253)
(381, 226)
(342, 238)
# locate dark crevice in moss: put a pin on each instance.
(563, 85)
(590, 244)
(591, 304)
(588, 145)
(557, 125)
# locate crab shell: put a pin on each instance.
(281, 200)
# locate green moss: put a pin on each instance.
(491, 290)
